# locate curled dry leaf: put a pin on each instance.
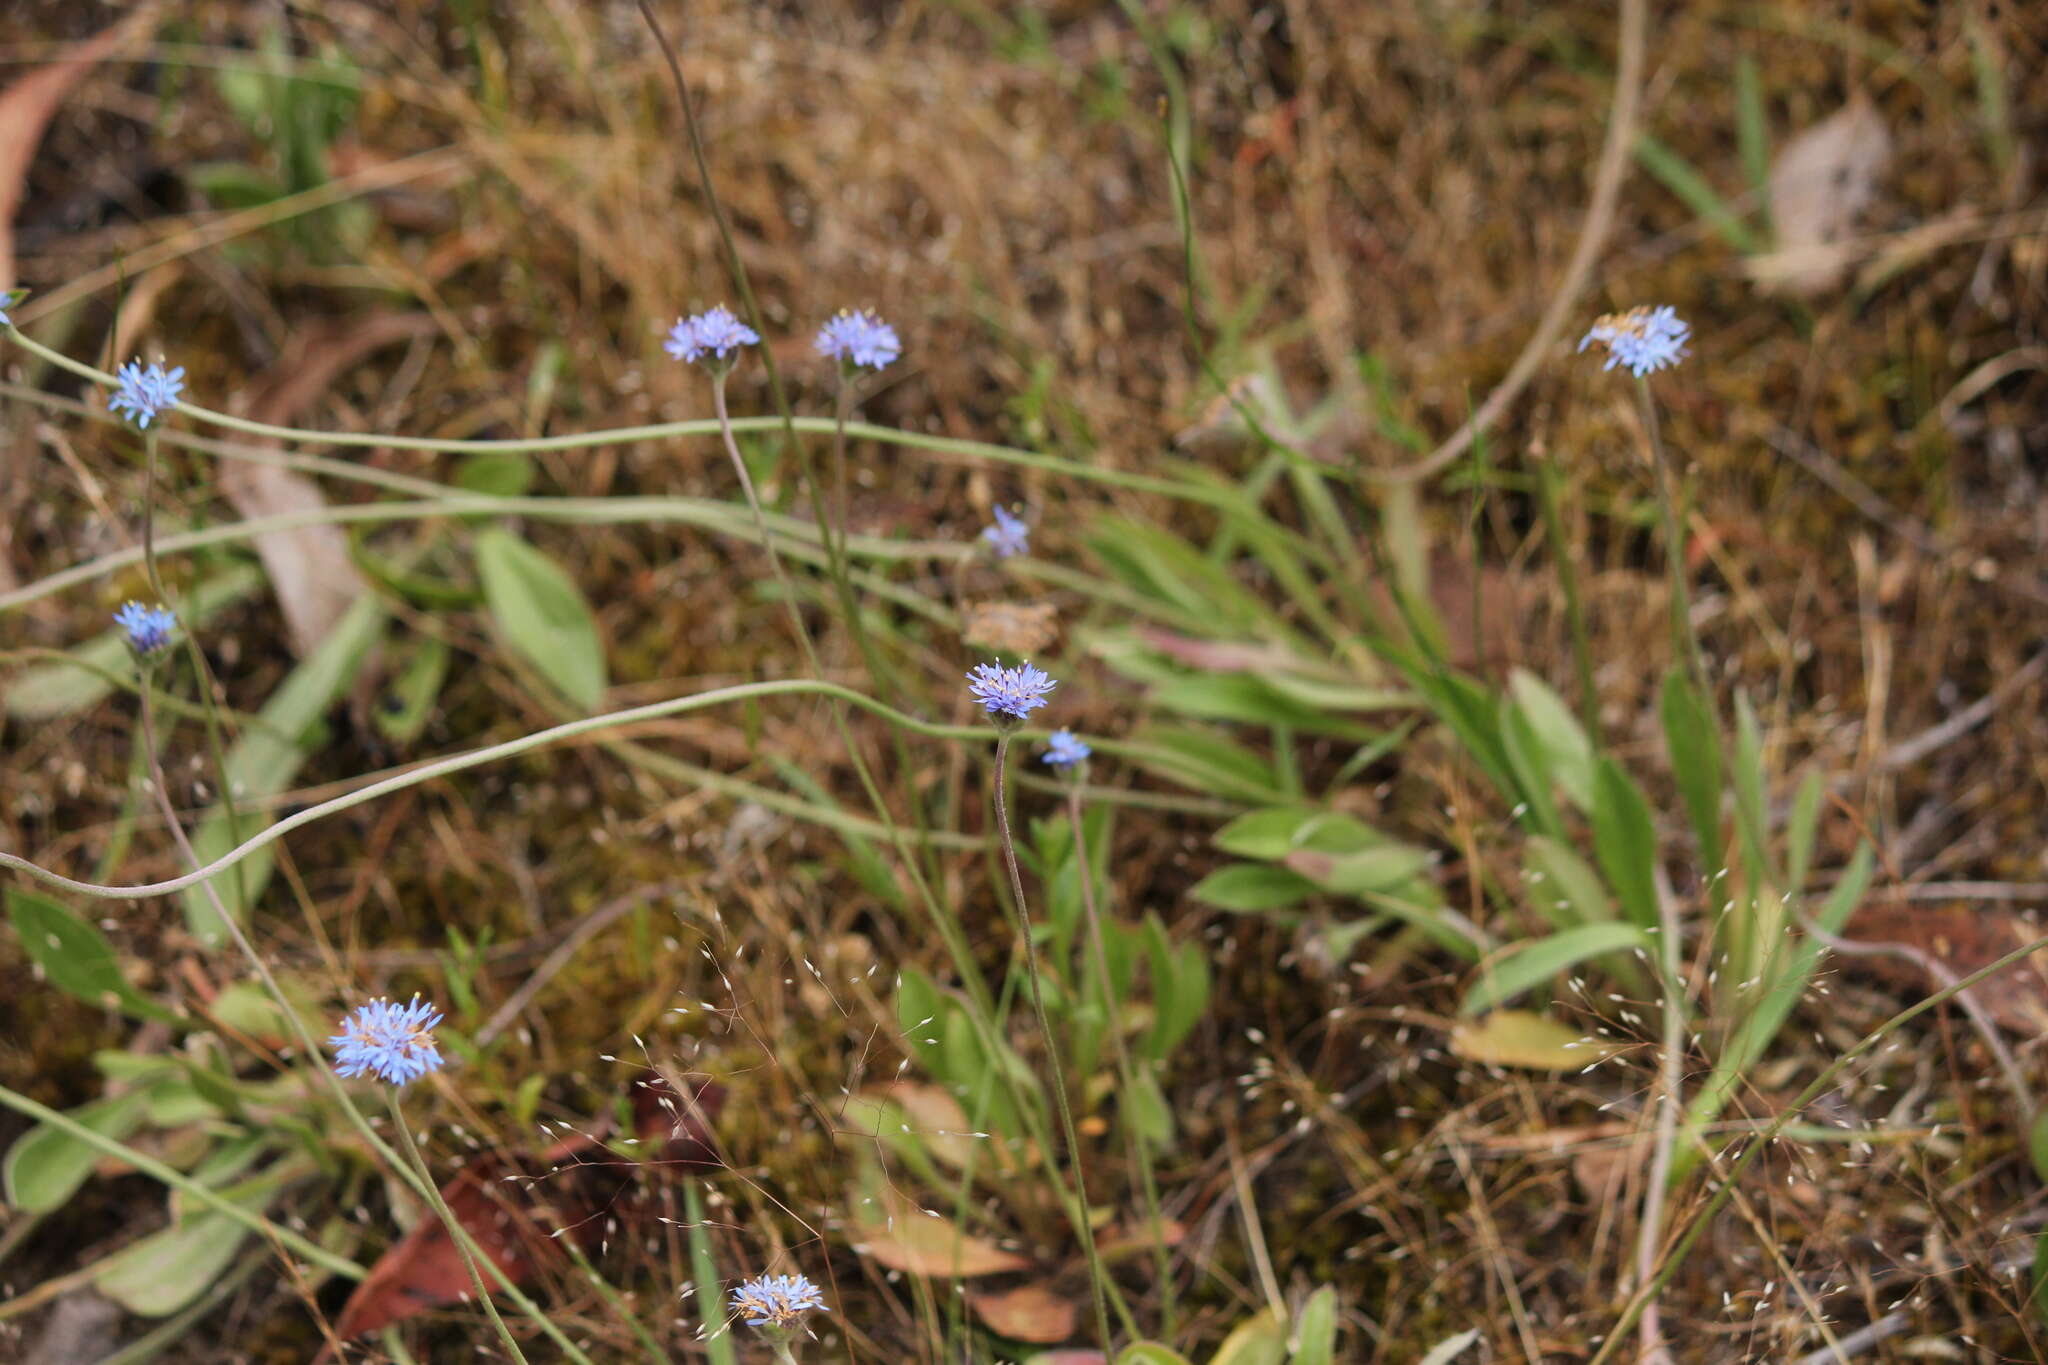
(1523, 1038)
(1821, 183)
(512, 1206)
(1015, 628)
(1030, 1312)
(309, 566)
(1119, 1240)
(903, 1236)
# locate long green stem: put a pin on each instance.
(456, 1232)
(1684, 638)
(1022, 924)
(1547, 478)
(1140, 1149)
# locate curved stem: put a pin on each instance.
(1022, 924)
(456, 1232)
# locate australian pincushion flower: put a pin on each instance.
(1010, 694)
(394, 1043)
(1644, 339)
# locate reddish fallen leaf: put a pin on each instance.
(1030, 1312)
(1962, 938)
(309, 566)
(25, 110)
(510, 1205)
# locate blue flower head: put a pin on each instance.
(149, 629)
(1009, 536)
(777, 1300)
(856, 339)
(8, 298)
(1010, 694)
(1644, 339)
(1065, 749)
(145, 393)
(391, 1042)
(714, 332)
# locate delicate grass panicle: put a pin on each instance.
(144, 393)
(1644, 339)
(392, 1042)
(1010, 535)
(148, 629)
(1010, 694)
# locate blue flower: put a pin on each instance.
(777, 1300)
(1064, 749)
(855, 339)
(1009, 536)
(1644, 339)
(149, 628)
(146, 392)
(1010, 693)
(391, 1042)
(715, 332)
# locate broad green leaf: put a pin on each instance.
(1531, 769)
(1180, 989)
(496, 473)
(1558, 730)
(1562, 886)
(1372, 870)
(1252, 887)
(1752, 129)
(266, 759)
(1695, 751)
(55, 689)
(2037, 1143)
(1748, 777)
(1532, 964)
(1315, 1332)
(1258, 1340)
(1250, 700)
(1273, 833)
(1145, 1108)
(1150, 1353)
(46, 1165)
(1206, 762)
(75, 957)
(2038, 1300)
(542, 614)
(167, 1270)
(1625, 841)
(1519, 1038)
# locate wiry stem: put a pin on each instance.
(456, 1233)
(1059, 1082)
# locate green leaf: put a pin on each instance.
(542, 615)
(266, 759)
(1557, 729)
(1802, 826)
(1273, 833)
(496, 473)
(1562, 886)
(1251, 887)
(1752, 128)
(1180, 989)
(408, 702)
(1531, 769)
(1248, 699)
(46, 1165)
(167, 1270)
(2038, 1300)
(1532, 964)
(2037, 1143)
(1149, 1353)
(75, 957)
(1625, 841)
(1695, 752)
(1207, 762)
(1258, 1340)
(1145, 1108)
(1315, 1332)
(1749, 792)
(1373, 870)
(1521, 1038)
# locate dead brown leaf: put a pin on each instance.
(309, 566)
(26, 107)
(1015, 628)
(1963, 938)
(903, 1236)
(1030, 1312)
(1821, 183)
